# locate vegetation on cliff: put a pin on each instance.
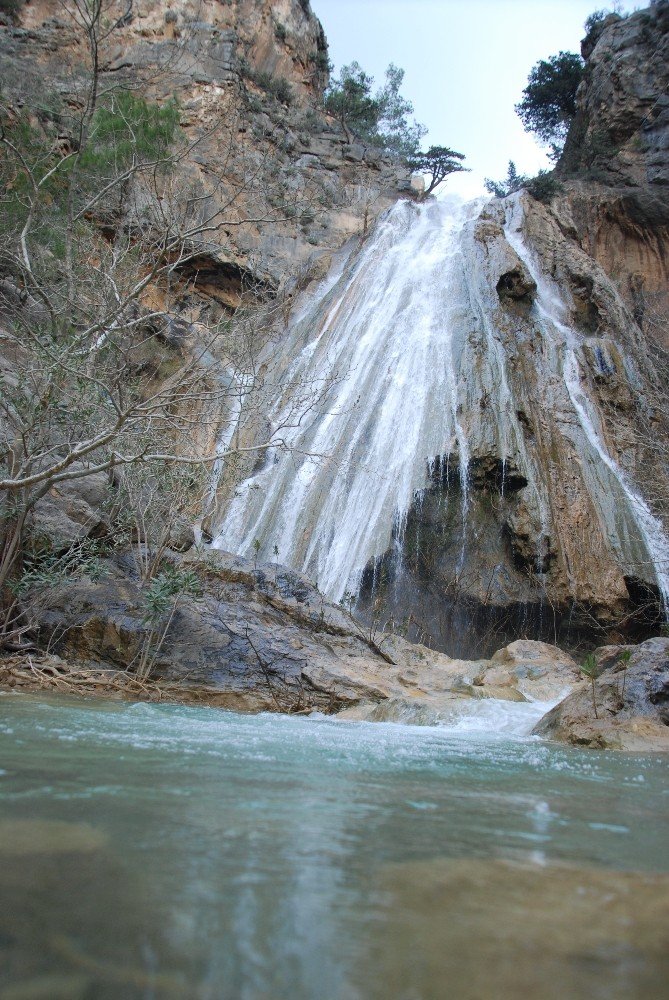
(110, 399)
(548, 105)
(382, 118)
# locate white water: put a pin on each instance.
(552, 311)
(389, 327)
(396, 350)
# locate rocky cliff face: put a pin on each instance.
(267, 183)
(557, 398)
(560, 404)
(616, 160)
(277, 176)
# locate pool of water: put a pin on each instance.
(166, 851)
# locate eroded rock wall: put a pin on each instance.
(276, 179)
(616, 160)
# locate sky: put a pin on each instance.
(466, 63)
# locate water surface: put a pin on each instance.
(150, 851)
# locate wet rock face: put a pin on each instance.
(463, 582)
(516, 285)
(521, 547)
(469, 584)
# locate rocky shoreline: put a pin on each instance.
(259, 638)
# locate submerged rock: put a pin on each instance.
(492, 928)
(20, 837)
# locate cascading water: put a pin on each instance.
(552, 310)
(385, 335)
(399, 364)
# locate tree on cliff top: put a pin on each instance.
(548, 106)
(438, 162)
(382, 119)
(512, 182)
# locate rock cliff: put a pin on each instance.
(278, 177)
(616, 160)
(551, 546)
(559, 394)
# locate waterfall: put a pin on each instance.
(552, 310)
(386, 336)
(383, 374)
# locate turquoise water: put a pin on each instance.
(151, 850)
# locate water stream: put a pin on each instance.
(408, 369)
(155, 851)
(552, 310)
(385, 336)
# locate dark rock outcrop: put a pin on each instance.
(631, 701)
(263, 638)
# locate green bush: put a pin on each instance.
(594, 19)
(381, 118)
(322, 61)
(276, 86)
(544, 186)
(168, 585)
(129, 129)
(512, 182)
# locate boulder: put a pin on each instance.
(631, 697)
(538, 670)
(70, 512)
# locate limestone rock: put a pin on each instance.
(70, 512)
(263, 637)
(536, 669)
(632, 700)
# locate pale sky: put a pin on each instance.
(466, 64)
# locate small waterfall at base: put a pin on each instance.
(385, 337)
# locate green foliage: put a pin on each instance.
(589, 665)
(544, 186)
(129, 130)
(322, 61)
(549, 100)
(382, 118)
(11, 7)
(512, 182)
(280, 31)
(44, 569)
(398, 133)
(349, 98)
(166, 587)
(438, 162)
(592, 20)
(276, 86)
(590, 669)
(126, 133)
